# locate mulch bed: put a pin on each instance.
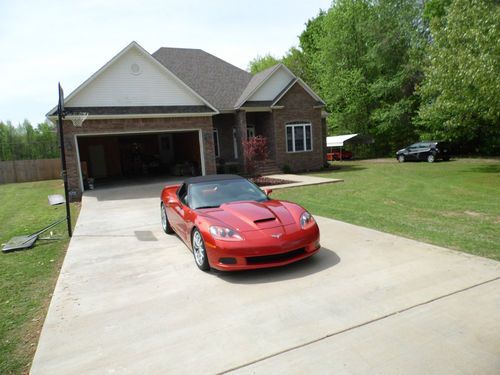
(268, 181)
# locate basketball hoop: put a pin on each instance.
(77, 118)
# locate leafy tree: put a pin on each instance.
(370, 65)
(26, 142)
(311, 47)
(261, 63)
(461, 89)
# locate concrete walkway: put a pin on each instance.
(130, 300)
(300, 180)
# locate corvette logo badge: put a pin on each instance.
(278, 235)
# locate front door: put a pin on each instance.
(98, 161)
(250, 132)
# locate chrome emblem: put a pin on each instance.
(278, 235)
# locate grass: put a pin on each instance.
(452, 204)
(28, 277)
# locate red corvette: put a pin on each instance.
(230, 224)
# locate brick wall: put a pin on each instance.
(299, 106)
(134, 125)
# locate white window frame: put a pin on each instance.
(303, 125)
(216, 149)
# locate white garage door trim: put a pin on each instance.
(200, 141)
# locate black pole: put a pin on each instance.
(60, 116)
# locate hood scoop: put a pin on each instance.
(258, 221)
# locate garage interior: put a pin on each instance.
(108, 159)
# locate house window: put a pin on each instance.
(216, 143)
(298, 137)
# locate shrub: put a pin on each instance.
(286, 169)
(254, 150)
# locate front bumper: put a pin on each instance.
(261, 250)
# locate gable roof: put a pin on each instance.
(143, 52)
(256, 81)
(214, 79)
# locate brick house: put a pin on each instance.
(183, 111)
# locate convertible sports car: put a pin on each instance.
(230, 224)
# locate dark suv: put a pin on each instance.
(430, 151)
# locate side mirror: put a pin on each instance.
(268, 191)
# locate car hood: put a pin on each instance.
(250, 216)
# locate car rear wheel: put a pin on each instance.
(431, 158)
(199, 251)
(401, 158)
(165, 224)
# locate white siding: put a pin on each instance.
(118, 85)
(273, 86)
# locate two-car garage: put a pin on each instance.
(108, 158)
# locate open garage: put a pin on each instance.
(110, 158)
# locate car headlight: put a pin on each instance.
(225, 234)
(306, 220)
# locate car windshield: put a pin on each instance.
(213, 194)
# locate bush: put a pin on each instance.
(254, 150)
(286, 169)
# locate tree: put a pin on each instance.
(370, 64)
(261, 63)
(25, 142)
(461, 89)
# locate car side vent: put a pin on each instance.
(264, 220)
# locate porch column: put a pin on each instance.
(241, 136)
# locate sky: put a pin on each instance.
(46, 42)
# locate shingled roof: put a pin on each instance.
(217, 81)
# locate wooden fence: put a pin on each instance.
(29, 170)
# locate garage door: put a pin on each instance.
(111, 158)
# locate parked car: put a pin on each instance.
(230, 224)
(429, 151)
(339, 155)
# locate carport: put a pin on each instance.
(124, 157)
(340, 141)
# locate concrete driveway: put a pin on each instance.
(131, 300)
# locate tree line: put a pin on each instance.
(404, 70)
(25, 142)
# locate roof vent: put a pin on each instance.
(135, 69)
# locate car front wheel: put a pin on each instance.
(165, 224)
(431, 158)
(199, 251)
(401, 158)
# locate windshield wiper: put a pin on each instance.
(197, 208)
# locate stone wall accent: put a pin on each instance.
(120, 126)
(298, 105)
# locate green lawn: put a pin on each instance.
(27, 278)
(452, 204)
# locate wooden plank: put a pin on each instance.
(29, 170)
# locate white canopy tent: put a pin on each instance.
(338, 140)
